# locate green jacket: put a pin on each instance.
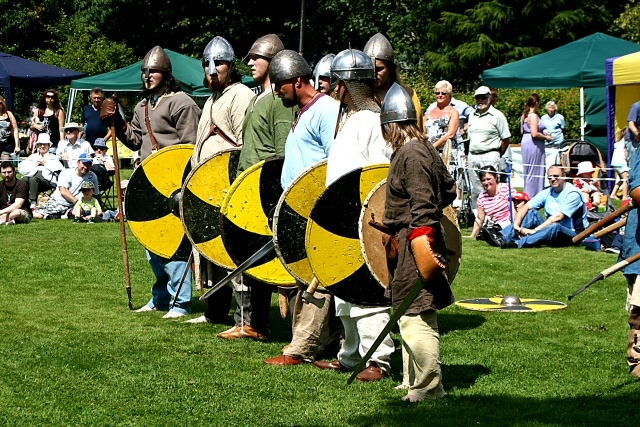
(265, 129)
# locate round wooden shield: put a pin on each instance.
(202, 195)
(152, 204)
(291, 217)
(529, 305)
(332, 241)
(371, 238)
(245, 219)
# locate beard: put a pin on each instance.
(289, 103)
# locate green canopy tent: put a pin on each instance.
(187, 70)
(577, 64)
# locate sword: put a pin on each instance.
(267, 251)
(411, 296)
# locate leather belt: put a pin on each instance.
(477, 153)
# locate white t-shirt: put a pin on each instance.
(70, 179)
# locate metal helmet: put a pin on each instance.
(379, 47)
(323, 69)
(288, 64)
(218, 49)
(352, 64)
(266, 46)
(397, 106)
(156, 59)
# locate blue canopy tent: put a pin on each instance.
(17, 71)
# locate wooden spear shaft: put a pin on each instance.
(612, 227)
(123, 231)
(603, 222)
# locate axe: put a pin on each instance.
(307, 296)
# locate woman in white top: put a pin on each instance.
(41, 169)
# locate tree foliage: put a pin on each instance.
(628, 23)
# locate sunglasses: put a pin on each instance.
(442, 93)
(550, 177)
(482, 96)
(49, 95)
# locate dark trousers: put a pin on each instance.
(219, 304)
(37, 184)
(254, 305)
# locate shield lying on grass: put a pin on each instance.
(524, 305)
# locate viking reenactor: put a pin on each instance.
(220, 128)
(419, 187)
(358, 143)
(630, 247)
(264, 132)
(309, 142)
(322, 75)
(166, 116)
(380, 50)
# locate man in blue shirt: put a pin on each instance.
(631, 246)
(94, 127)
(565, 211)
(308, 143)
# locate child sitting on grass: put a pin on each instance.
(87, 207)
(590, 192)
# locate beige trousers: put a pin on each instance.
(421, 355)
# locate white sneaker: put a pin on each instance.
(12, 222)
(197, 320)
(144, 309)
(173, 315)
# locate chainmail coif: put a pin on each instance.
(361, 92)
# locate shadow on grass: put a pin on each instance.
(449, 322)
(502, 410)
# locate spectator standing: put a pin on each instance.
(489, 138)
(49, 118)
(554, 125)
(9, 139)
(533, 142)
(93, 127)
(620, 162)
(40, 170)
(442, 121)
(14, 197)
(633, 134)
(70, 149)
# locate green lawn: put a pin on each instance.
(72, 354)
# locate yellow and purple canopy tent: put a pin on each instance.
(623, 89)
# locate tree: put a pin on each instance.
(628, 23)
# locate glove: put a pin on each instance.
(430, 265)
(108, 110)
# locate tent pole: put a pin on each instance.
(582, 123)
(72, 99)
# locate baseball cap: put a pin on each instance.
(85, 158)
(482, 91)
(87, 184)
(521, 196)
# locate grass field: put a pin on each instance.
(72, 354)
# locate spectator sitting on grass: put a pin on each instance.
(14, 197)
(69, 189)
(87, 208)
(565, 210)
(493, 205)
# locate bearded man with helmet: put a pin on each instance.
(358, 143)
(419, 187)
(380, 50)
(164, 117)
(309, 142)
(220, 128)
(264, 132)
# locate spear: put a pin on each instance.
(606, 273)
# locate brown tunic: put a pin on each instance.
(419, 187)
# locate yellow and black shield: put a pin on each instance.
(202, 195)
(152, 204)
(245, 221)
(332, 241)
(291, 217)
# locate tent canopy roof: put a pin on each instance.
(623, 70)
(18, 71)
(187, 70)
(577, 64)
